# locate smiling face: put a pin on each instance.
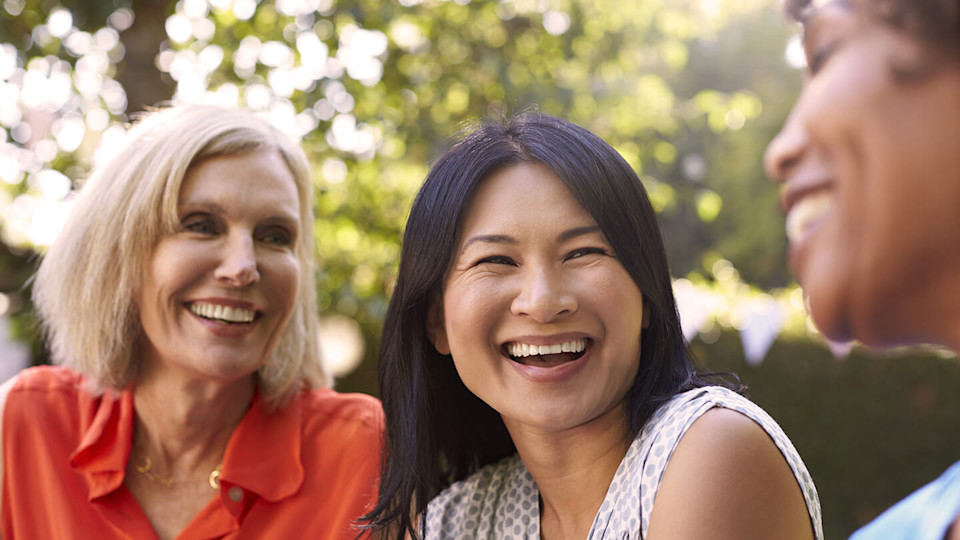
(218, 292)
(871, 181)
(542, 320)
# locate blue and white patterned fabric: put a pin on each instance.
(501, 501)
(925, 515)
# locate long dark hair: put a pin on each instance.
(437, 431)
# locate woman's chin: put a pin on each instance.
(835, 329)
(827, 303)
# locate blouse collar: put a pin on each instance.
(262, 456)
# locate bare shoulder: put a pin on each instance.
(728, 480)
(953, 533)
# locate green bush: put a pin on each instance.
(872, 428)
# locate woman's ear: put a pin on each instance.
(646, 315)
(436, 331)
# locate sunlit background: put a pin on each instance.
(689, 91)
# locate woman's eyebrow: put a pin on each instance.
(199, 205)
(489, 239)
(189, 206)
(284, 219)
(570, 234)
(566, 235)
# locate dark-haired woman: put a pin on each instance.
(870, 162)
(535, 380)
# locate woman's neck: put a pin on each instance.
(183, 425)
(573, 469)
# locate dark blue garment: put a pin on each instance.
(924, 515)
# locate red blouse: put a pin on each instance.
(307, 471)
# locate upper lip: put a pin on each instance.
(795, 189)
(227, 302)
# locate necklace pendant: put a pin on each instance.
(215, 477)
(145, 469)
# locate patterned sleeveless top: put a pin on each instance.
(501, 501)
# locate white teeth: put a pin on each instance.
(806, 212)
(222, 313)
(519, 350)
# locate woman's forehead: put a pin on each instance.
(817, 4)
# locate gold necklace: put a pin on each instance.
(168, 481)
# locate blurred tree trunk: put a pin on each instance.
(138, 73)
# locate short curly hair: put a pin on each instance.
(935, 22)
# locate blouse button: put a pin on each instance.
(235, 493)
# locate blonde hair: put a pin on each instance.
(85, 287)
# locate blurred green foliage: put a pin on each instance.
(677, 86)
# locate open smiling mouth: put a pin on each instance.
(223, 314)
(547, 355)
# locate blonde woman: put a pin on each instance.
(189, 400)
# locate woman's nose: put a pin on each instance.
(786, 149)
(544, 296)
(238, 265)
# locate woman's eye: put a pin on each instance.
(278, 237)
(495, 259)
(820, 57)
(577, 253)
(199, 224)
